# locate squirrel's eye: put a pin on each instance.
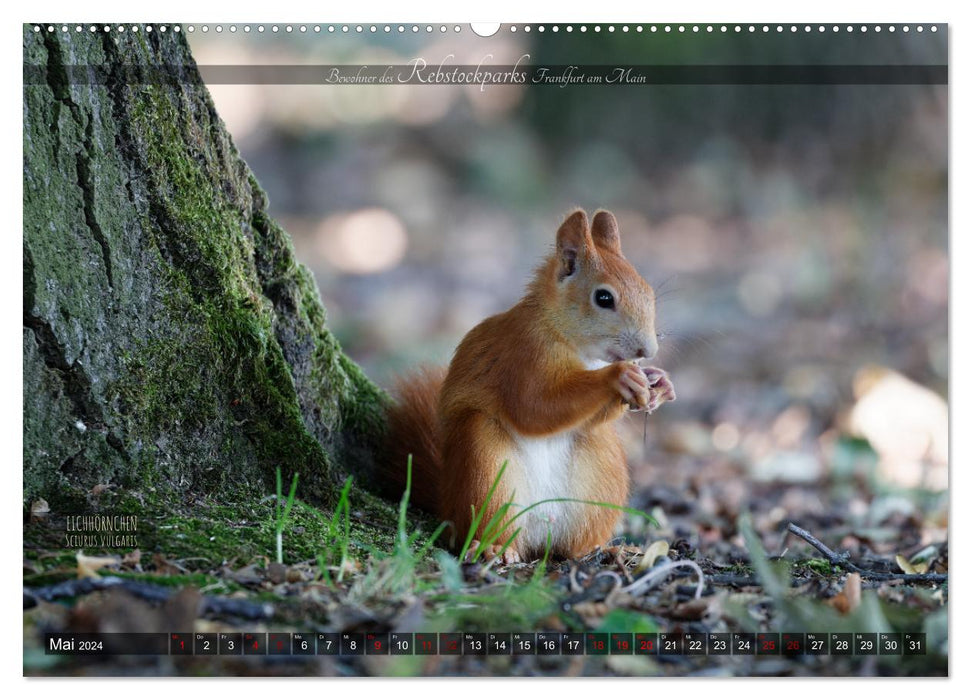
(603, 299)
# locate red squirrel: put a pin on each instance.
(538, 388)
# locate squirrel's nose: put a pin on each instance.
(648, 350)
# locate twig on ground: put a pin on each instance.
(745, 580)
(146, 591)
(737, 580)
(843, 560)
(659, 573)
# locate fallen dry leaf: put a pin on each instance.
(276, 572)
(132, 559)
(295, 575)
(651, 554)
(905, 423)
(39, 510)
(350, 566)
(631, 665)
(911, 568)
(164, 567)
(88, 566)
(849, 598)
(591, 612)
(694, 609)
(251, 575)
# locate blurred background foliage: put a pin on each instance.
(797, 235)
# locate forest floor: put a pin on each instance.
(769, 561)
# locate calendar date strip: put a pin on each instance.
(488, 644)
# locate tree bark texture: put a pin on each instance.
(171, 342)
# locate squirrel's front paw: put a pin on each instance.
(660, 390)
(633, 386)
(493, 551)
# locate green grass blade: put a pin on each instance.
(600, 504)
(491, 532)
(290, 499)
(477, 518)
(511, 539)
(430, 542)
(342, 514)
(403, 509)
(540, 569)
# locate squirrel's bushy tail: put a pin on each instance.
(414, 428)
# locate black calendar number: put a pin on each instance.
(548, 643)
(817, 643)
(303, 644)
(352, 644)
(230, 643)
(719, 644)
(915, 643)
(401, 643)
(500, 643)
(743, 643)
(571, 644)
(891, 643)
(670, 643)
(328, 643)
(841, 644)
(865, 644)
(474, 644)
(695, 644)
(523, 643)
(206, 644)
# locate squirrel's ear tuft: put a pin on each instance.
(571, 238)
(605, 232)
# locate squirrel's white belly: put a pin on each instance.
(540, 469)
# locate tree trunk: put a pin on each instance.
(172, 344)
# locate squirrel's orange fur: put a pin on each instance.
(538, 388)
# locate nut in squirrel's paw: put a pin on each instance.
(633, 386)
(660, 389)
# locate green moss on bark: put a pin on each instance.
(172, 343)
